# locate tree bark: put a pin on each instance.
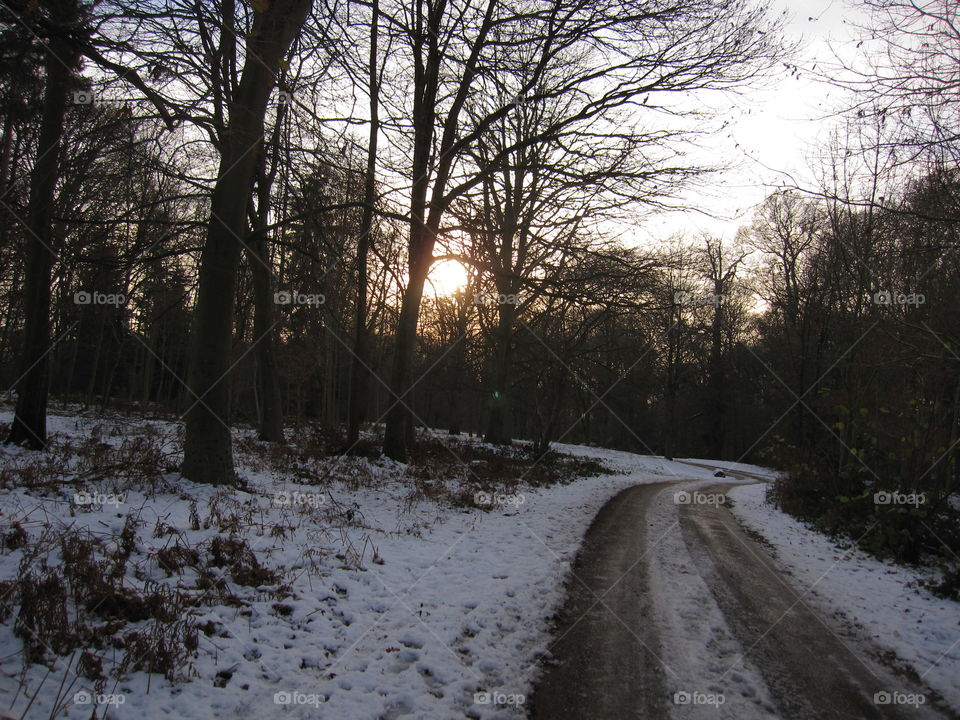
(423, 230)
(499, 397)
(399, 424)
(359, 377)
(672, 384)
(715, 393)
(207, 450)
(456, 402)
(268, 381)
(29, 426)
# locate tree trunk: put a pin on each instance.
(672, 389)
(97, 351)
(29, 426)
(456, 401)
(207, 450)
(716, 409)
(359, 377)
(268, 381)
(399, 425)
(499, 397)
(541, 445)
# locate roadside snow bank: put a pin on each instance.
(389, 604)
(889, 602)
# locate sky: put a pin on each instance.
(773, 130)
(772, 133)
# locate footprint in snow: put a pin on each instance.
(402, 660)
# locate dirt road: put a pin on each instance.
(607, 651)
(613, 659)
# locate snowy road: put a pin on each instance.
(400, 604)
(673, 611)
(608, 653)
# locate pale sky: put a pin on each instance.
(771, 135)
(774, 130)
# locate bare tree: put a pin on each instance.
(625, 52)
(207, 451)
(359, 377)
(904, 86)
(56, 22)
(719, 265)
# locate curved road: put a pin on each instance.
(607, 659)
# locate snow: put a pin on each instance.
(885, 602)
(703, 660)
(429, 611)
(730, 466)
(398, 604)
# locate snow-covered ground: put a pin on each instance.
(389, 600)
(731, 466)
(397, 605)
(888, 602)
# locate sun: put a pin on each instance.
(447, 277)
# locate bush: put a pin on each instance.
(845, 507)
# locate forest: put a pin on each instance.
(380, 217)
(485, 359)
